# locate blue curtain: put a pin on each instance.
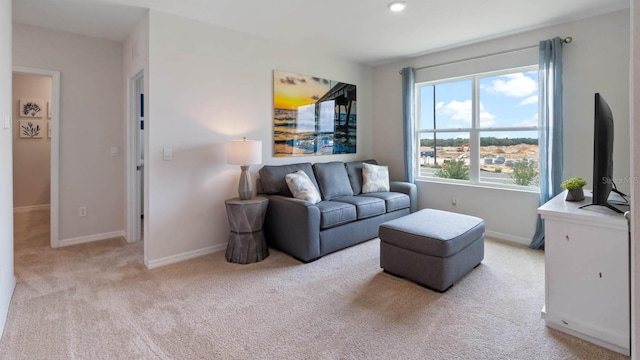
(408, 90)
(550, 131)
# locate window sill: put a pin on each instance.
(512, 188)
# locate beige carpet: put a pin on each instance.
(98, 301)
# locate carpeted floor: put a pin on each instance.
(98, 301)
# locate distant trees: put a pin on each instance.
(485, 141)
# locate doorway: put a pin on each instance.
(36, 103)
(135, 168)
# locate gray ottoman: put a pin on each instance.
(432, 247)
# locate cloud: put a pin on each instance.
(533, 99)
(460, 111)
(486, 118)
(513, 85)
(457, 110)
(320, 80)
(288, 80)
(532, 121)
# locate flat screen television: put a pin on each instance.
(603, 155)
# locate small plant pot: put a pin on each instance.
(574, 195)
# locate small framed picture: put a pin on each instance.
(31, 129)
(31, 108)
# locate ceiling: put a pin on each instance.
(361, 30)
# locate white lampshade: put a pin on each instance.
(244, 152)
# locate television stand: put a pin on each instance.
(605, 205)
(587, 273)
(614, 190)
(623, 195)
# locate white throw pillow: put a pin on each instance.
(301, 187)
(375, 178)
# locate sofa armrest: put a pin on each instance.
(293, 226)
(406, 188)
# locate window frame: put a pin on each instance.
(474, 131)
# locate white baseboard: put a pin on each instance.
(90, 238)
(4, 305)
(506, 237)
(152, 264)
(26, 209)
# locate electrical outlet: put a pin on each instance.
(115, 151)
(454, 200)
(82, 211)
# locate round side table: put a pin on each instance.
(247, 243)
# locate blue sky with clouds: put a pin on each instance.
(505, 101)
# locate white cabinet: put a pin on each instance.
(587, 272)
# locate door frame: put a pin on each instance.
(133, 187)
(54, 205)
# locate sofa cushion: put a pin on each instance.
(302, 188)
(333, 213)
(393, 200)
(272, 177)
(365, 206)
(375, 178)
(354, 171)
(332, 179)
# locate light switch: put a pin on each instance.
(6, 121)
(167, 154)
(115, 151)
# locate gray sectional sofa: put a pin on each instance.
(343, 218)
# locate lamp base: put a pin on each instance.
(244, 186)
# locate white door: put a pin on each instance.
(140, 151)
(136, 159)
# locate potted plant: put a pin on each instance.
(574, 189)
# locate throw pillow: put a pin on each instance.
(375, 178)
(301, 187)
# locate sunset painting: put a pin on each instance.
(312, 116)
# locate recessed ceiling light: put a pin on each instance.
(397, 6)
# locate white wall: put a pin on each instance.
(31, 157)
(91, 122)
(7, 280)
(596, 61)
(209, 85)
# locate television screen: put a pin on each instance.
(602, 153)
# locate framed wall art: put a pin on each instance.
(31, 129)
(312, 115)
(31, 108)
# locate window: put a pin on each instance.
(481, 129)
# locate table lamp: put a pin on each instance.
(244, 153)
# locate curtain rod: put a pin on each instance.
(566, 40)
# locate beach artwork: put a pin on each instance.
(312, 116)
